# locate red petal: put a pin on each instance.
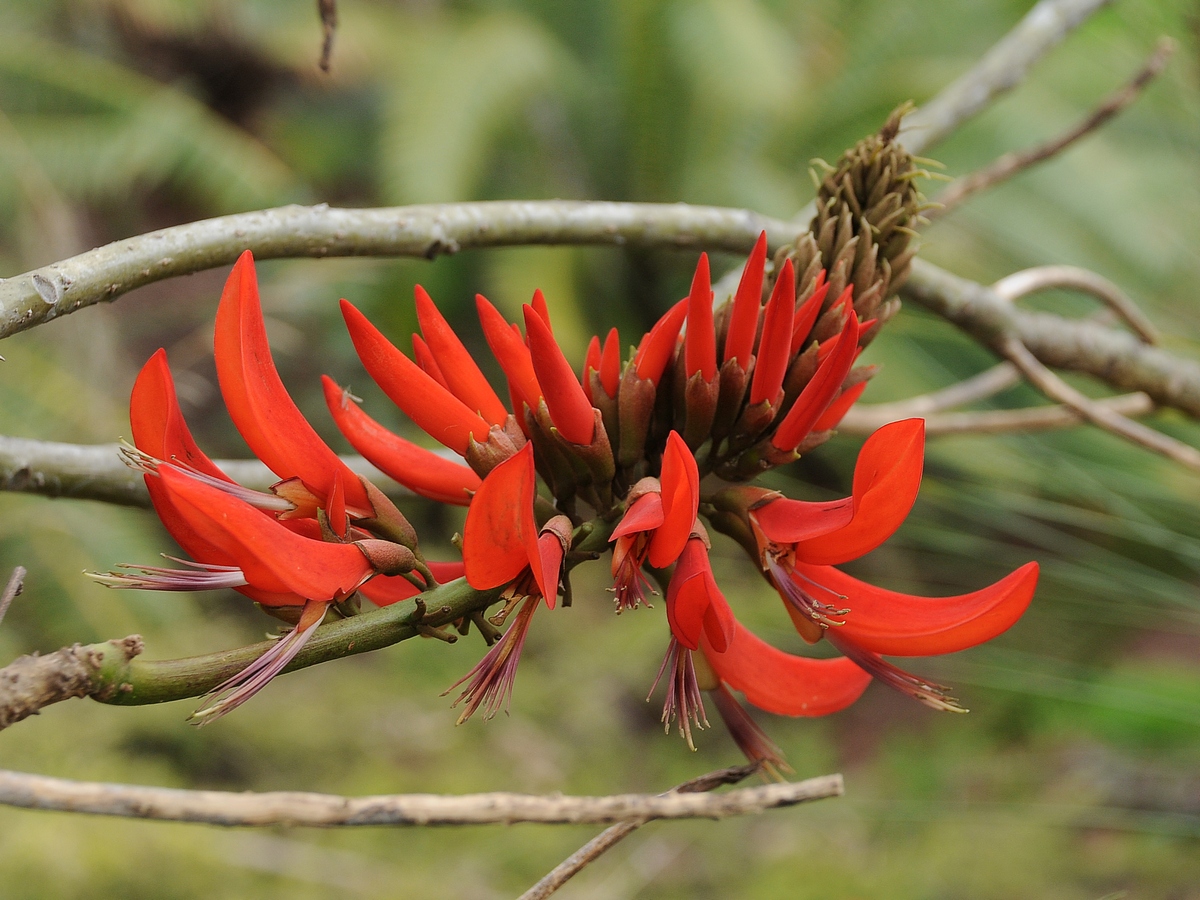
(610, 363)
(700, 343)
(747, 304)
(887, 477)
(774, 347)
(806, 315)
(510, 351)
(549, 566)
(569, 407)
(659, 343)
(259, 404)
(784, 684)
(820, 391)
(500, 535)
(887, 622)
(839, 407)
(680, 501)
(426, 360)
(591, 363)
(787, 521)
(438, 412)
(645, 514)
(462, 376)
(157, 423)
(695, 604)
(418, 469)
(539, 306)
(272, 557)
(384, 590)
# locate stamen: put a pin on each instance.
(143, 462)
(801, 600)
(683, 692)
(197, 577)
(229, 695)
(630, 584)
(934, 695)
(749, 737)
(490, 682)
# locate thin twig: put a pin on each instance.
(1010, 164)
(1040, 278)
(988, 383)
(610, 837)
(16, 582)
(866, 419)
(327, 10)
(1097, 413)
(325, 810)
(1002, 68)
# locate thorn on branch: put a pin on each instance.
(327, 10)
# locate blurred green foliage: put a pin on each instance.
(1075, 777)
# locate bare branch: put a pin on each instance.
(988, 383)
(610, 837)
(1116, 358)
(326, 810)
(1010, 164)
(319, 231)
(1002, 68)
(1097, 413)
(866, 419)
(1040, 278)
(95, 472)
(16, 582)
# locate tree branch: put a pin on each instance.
(1002, 68)
(325, 810)
(1010, 164)
(610, 837)
(95, 472)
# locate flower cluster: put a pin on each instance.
(655, 451)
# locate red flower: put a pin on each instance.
(502, 545)
(657, 522)
(798, 543)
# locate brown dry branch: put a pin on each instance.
(16, 582)
(610, 837)
(1010, 164)
(326, 810)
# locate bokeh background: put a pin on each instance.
(1077, 773)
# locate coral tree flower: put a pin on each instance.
(799, 543)
(656, 524)
(503, 546)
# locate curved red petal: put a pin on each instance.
(895, 624)
(272, 557)
(384, 590)
(785, 521)
(500, 535)
(887, 477)
(436, 411)
(820, 391)
(539, 306)
(646, 514)
(695, 604)
(569, 407)
(157, 423)
(549, 566)
(680, 501)
(610, 363)
(425, 359)
(806, 314)
(418, 469)
(747, 304)
(784, 684)
(462, 376)
(700, 343)
(260, 406)
(510, 351)
(658, 345)
(591, 363)
(839, 407)
(774, 347)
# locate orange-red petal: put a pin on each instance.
(461, 375)
(774, 347)
(420, 470)
(887, 477)
(500, 534)
(820, 391)
(680, 501)
(895, 624)
(786, 521)
(700, 343)
(747, 304)
(569, 408)
(658, 345)
(438, 412)
(259, 404)
(784, 684)
(511, 352)
(384, 590)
